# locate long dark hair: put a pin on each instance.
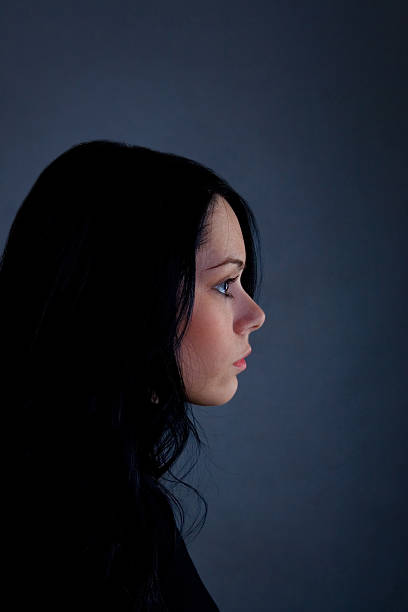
(97, 285)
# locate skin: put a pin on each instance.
(218, 333)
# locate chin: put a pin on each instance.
(218, 397)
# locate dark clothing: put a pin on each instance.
(58, 545)
(41, 577)
(183, 588)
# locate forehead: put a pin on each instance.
(225, 237)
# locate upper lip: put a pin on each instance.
(246, 355)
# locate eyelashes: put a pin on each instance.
(229, 281)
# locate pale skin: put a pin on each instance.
(218, 332)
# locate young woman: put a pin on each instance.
(127, 290)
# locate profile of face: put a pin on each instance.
(223, 315)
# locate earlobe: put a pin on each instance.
(154, 398)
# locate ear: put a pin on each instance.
(154, 398)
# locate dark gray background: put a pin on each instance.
(302, 106)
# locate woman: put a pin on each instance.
(117, 311)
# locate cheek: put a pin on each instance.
(207, 336)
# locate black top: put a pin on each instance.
(42, 544)
(183, 589)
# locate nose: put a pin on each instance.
(250, 318)
(255, 316)
(259, 318)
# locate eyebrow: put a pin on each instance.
(230, 260)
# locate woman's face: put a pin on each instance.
(218, 332)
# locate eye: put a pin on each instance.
(227, 282)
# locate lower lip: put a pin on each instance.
(240, 364)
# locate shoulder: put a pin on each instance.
(182, 586)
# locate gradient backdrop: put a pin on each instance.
(302, 107)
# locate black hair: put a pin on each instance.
(97, 284)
